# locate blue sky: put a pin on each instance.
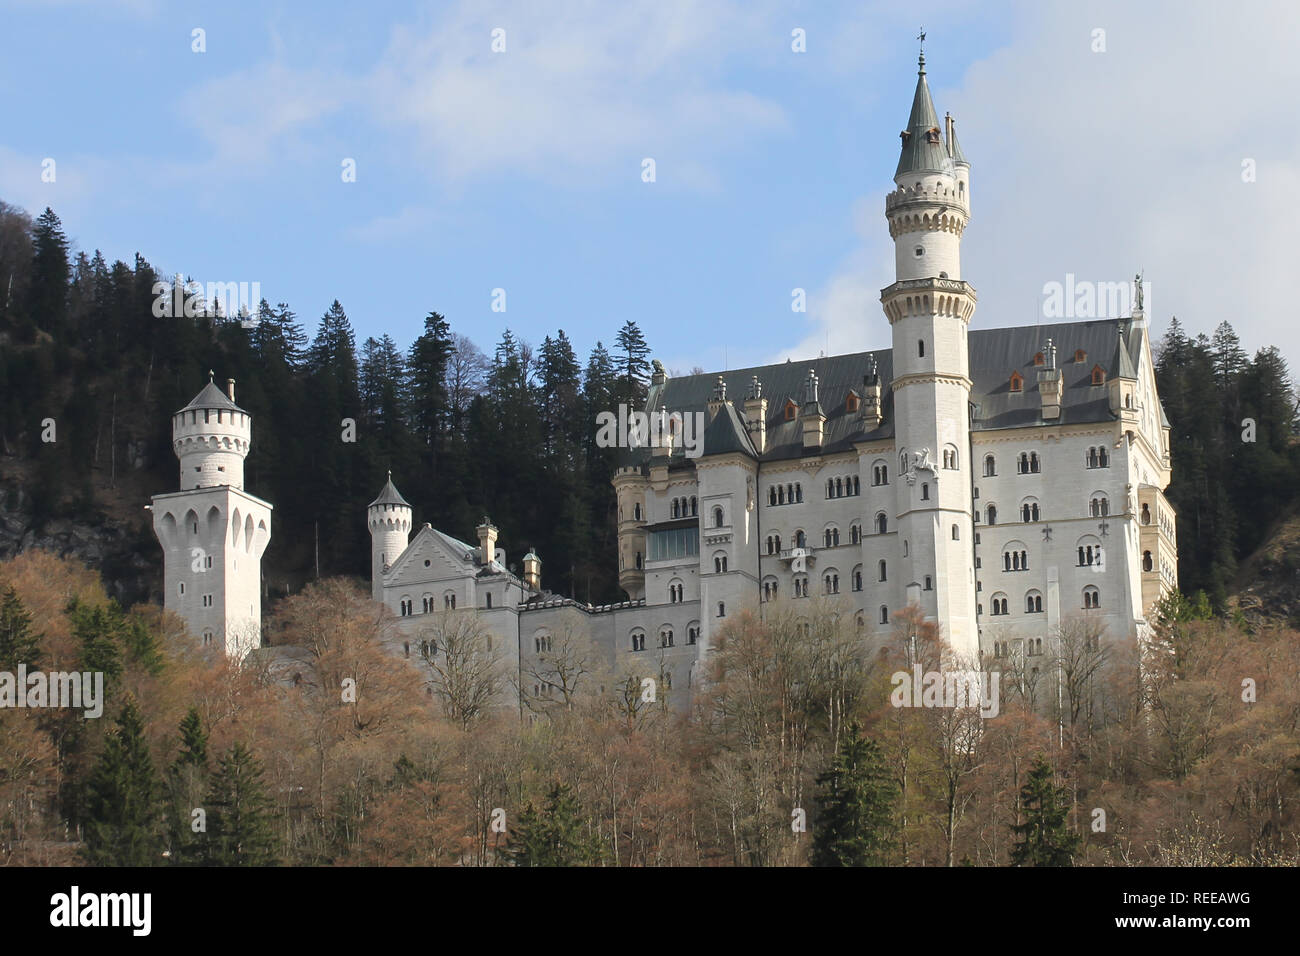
(521, 170)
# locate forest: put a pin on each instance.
(792, 756)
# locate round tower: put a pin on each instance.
(929, 308)
(389, 520)
(211, 437)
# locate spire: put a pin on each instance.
(923, 148)
(954, 147)
(390, 495)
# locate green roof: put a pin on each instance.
(390, 495)
(923, 149)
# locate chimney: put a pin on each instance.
(532, 571)
(230, 388)
(756, 415)
(1050, 384)
(719, 398)
(873, 409)
(487, 542)
(813, 417)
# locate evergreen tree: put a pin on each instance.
(96, 629)
(241, 817)
(121, 824)
(187, 782)
(18, 643)
(554, 837)
(1045, 837)
(50, 274)
(856, 800)
(634, 359)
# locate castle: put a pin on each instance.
(1003, 480)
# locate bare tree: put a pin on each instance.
(467, 675)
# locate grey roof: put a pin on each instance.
(919, 153)
(1123, 360)
(390, 495)
(954, 147)
(212, 397)
(994, 354)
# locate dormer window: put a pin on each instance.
(1017, 382)
(1098, 375)
(905, 135)
(1038, 359)
(791, 410)
(932, 135)
(1080, 356)
(851, 403)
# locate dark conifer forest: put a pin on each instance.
(467, 428)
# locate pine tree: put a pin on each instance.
(121, 823)
(240, 813)
(554, 837)
(1045, 837)
(187, 782)
(635, 364)
(50, 274)
(18, 643)
(856, 800)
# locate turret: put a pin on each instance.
(211, 437)
(389, 519)
(532, 571)
(487, 542)
(812, 415)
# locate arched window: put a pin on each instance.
(636, 511)
(666, 637)
(992, 512)
(990, 466)
(638, 560)
(638, 640)
(1029, 510)
(489, 600)
(925, 491)
(1091, 597)
(798, 493)
(800, 540)
(1146, 514)
(1017, 382)
(831, 582)
(956, 533)
(1033, 603)
(880, 473)
(920, 348)
(884, 614)
(717, 517)
(1098, 375)
(1099, 506)
(771, 497)
(882, 523)
(722, 609)
(857, 578)
(880, 571)
(1014, 557)
(676, 508)
(1089, 551)
(1147, 563)
(855, 534)
(999, 605)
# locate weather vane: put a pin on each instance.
(921, 36)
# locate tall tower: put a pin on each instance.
(929, 307)
(213, 533)
(389, 520)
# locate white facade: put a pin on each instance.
(213, 533)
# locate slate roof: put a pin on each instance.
(994, 353)
(390, 495)
(212, 397)
(919, 154)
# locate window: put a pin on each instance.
(950, 458)
(722, 609)
(855, 534)
(1098, 375)
(1091, 597)
(884, 614)
(1080, 356)
(1038, 358)
(831, 583)
(181, 588)
(638, 640)
(1029, 511)
(488, 598)
(920, 348)
(1028, 464)
(851, 402)
(929, 583)
(800, 584)
(636, 511)
(692, 634)
(208, 637)
(719, 564)
(992, 514)
(1097, 457)
(1017, 382)
(1147, 563)
(990, 466)
(694, 506)
(800, 541)
(880, 473)
(666, 637)
(405, 606)
(676, 509)
(426, 603)
(1015, 560)
(880, 571)
(857, 578)
(882, 523)
(769, 589)
(1146, 514)
(1033, 603)
(831, 537)
(956, 533)
(717, 518)
(790, 410)
(999, 605)
(449, 601)
(1099, 506)
(925, 491)
(207, 600)
(1089, 552)
(638, 560)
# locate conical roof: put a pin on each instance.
(390, 495)
(212, 397)
(954, 147)
(923, 149)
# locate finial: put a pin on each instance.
(390, 474)
(920, 61)
(210, 373)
